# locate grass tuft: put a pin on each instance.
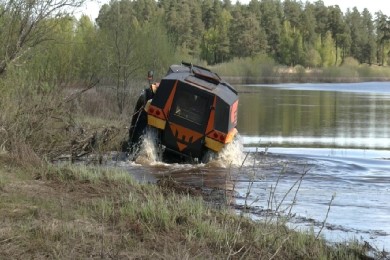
(94, 212)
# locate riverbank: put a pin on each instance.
(265, 71)
(70, 212)
(295, 78)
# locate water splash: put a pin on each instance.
(232, 154)
(148, 153)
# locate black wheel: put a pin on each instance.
(208, 156)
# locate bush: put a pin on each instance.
(259, 66)
(342, 74)
(41, 121)
(350, 62)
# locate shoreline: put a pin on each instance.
(300, 79)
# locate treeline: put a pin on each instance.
(129, 37)
(310, 34)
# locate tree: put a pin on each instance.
(53, 61)
(197, 28)
(227, 5)
(313, 58)
(216, 39)
(207, 13)
(308, 26)
(383, 35)
(337, 27)
(292, 13)
(119, 32)
(355, 23)
(286, 44)
(271, 21)
(178, 20)
(145, 10)
(369, 44)
(255, 8)
(328, 50)
(321, 14)
(156, 49)
(345, 42)
(86, 49)
(291, 47)
(25, 28)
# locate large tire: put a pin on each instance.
(208, 156)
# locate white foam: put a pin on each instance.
(148, 153)
(233, 153)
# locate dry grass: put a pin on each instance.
(70, 212)
(39, 127)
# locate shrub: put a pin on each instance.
(350, 62)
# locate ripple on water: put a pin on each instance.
(360, 208)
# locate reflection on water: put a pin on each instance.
(335, 118)
(314, 115)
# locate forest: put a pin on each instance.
(46, 41)
(49, 56)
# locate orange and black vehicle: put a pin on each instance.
(193, 111)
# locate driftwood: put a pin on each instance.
(84, 141)
(94, 143)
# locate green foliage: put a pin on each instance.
(259, 66)
(343, 73)
(328, 51)
(156, 49)
(350, 62)
(313, 58)
(216, 39)
(27, 25)
(271, 21)
(119, 47)
(52, 61)
(292, 51)
(86, 49)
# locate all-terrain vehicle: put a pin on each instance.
(193, 113)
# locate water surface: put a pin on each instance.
(316, 115)
(340, 132)
(320, 151)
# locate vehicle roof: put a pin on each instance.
(204, 79)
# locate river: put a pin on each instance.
(318, 154)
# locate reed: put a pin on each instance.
(262, 69)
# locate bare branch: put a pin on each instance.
(25, 26)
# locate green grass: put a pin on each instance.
(70, 212)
